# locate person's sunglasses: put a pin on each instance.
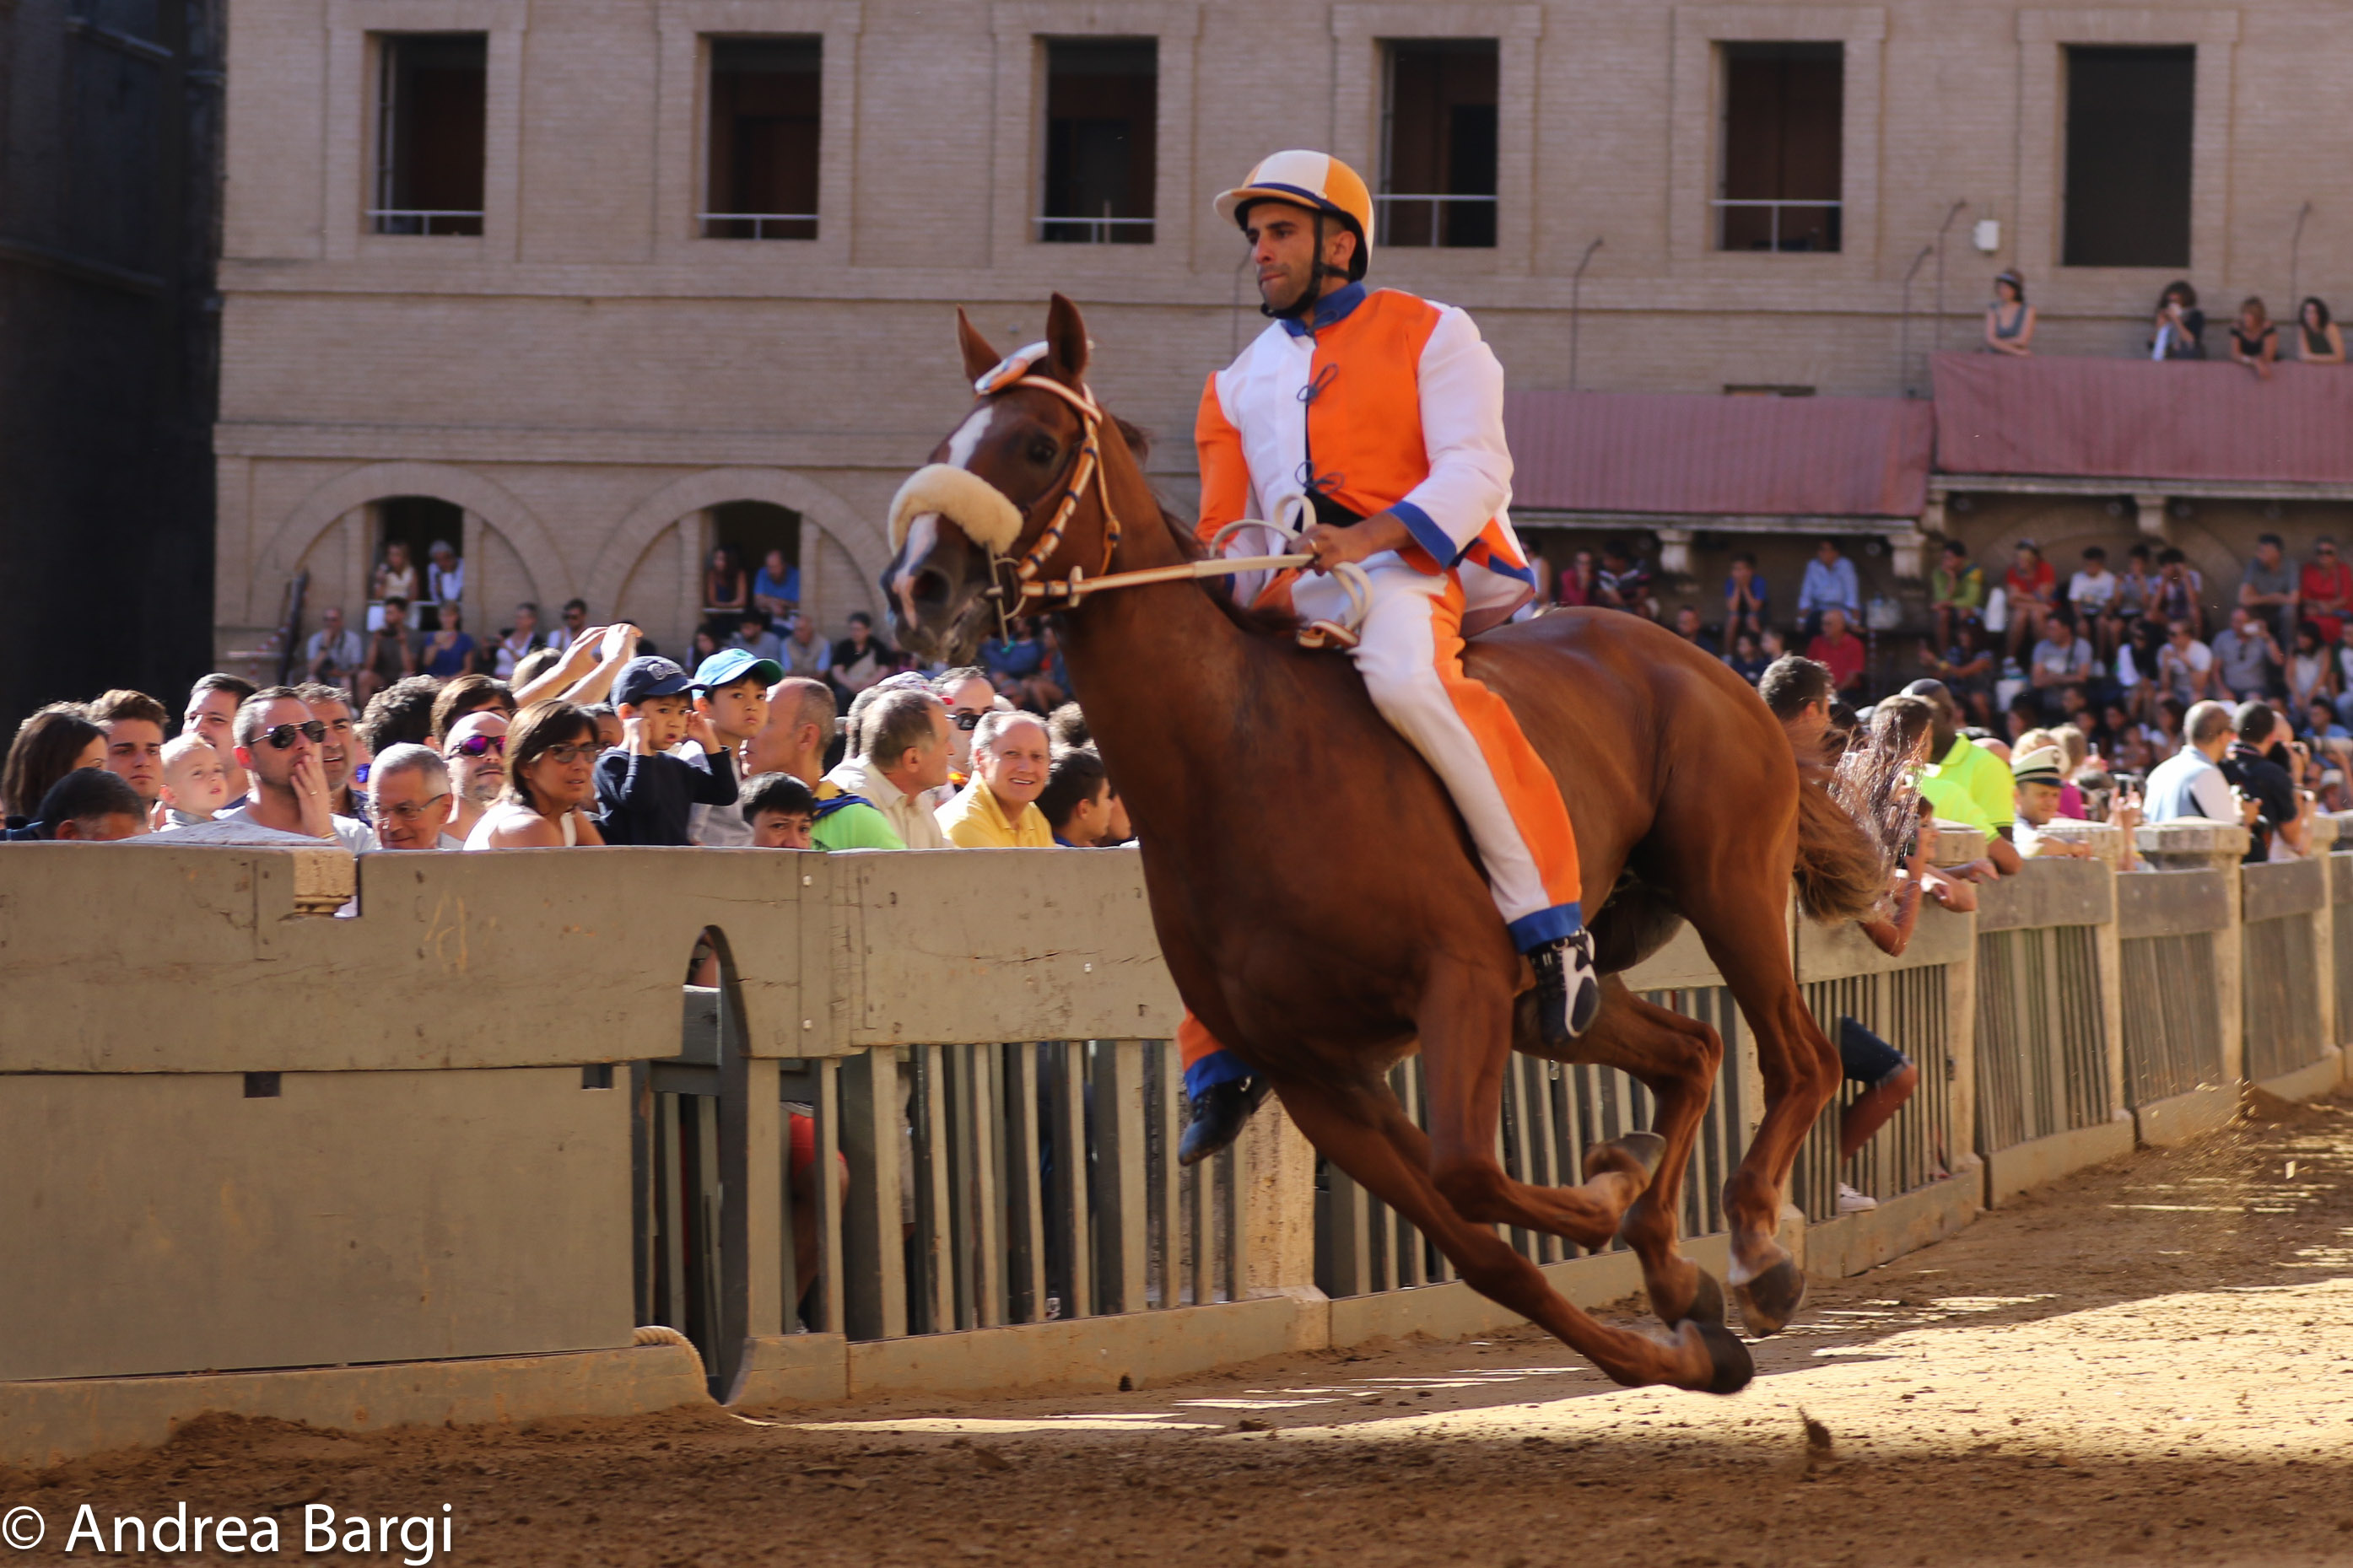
(480, 746)
(409, 810)
(964, 721)
(568, 754)
(281, 736)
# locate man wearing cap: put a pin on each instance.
(731, 694)
(1376, 420)
(645, 795)
(2038, 777)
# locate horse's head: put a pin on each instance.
(992, 489)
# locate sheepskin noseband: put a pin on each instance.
(962, 498)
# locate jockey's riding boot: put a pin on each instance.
(1568, 990)
(1218, 1117)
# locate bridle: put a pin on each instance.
(1072, 590)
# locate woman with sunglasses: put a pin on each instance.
(551, 756)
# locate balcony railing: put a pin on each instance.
(1413, 220)
(1054, 229)
(758, 226)
(424, 221)
(1745, 224)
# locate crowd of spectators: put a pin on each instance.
(2177, 328)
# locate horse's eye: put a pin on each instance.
(1042, 451)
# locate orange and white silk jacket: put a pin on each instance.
(1393, 403)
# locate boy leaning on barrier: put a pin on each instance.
(645, 795)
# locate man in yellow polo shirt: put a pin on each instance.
(1966, 782)
(998, 809)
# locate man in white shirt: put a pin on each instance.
(278, 745)
(2061, 659)
(2190, 783)
(2092, 592)
(905, 755)
(335, 653)
(2185, 666)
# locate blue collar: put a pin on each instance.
(1331, 309)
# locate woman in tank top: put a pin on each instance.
(2318, 340)
(2009, 319)
(2254, 341)
(552, 751)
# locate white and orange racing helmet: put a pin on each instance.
(1316, 181)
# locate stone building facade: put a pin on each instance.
(585, 378)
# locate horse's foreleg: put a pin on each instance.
(1800, 1074)
(1366, 1133)
(1676, 1059)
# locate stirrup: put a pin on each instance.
(1328, 633)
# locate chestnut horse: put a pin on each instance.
(1318, 900)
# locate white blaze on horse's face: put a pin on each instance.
(923, 529)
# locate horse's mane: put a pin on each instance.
(1273, 624)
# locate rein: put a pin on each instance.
(1075, 588)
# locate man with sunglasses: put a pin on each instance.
(476, 751)
(279, 745)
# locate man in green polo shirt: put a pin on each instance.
(800, 726)
(1966, 782)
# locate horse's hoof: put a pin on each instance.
(1707, 1301)
(1769, 1301)
(1731, 1364)
(1645, 1148)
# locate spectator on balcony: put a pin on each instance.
(1579, 583)
(90, 805)
(805, 652)
(1957, 591)
(409, 799)
(647, 788)
(572, 625)
(2246, 659)
(212, 708)
(704, 645)
(2009, 319)
(391, 654)
(755, 637)
(476, 751)
(335, 653)
(446, 652)
(1625, 581)
(1078, 801)
(2037, 773)
(401, 714)
(53, 741)
(395, 575)
(2268, 587)
(2136, 596)
(444, 575)
(195, 782)
(998, 809)
(732, 695)
(551, 784)
(1746, 658)
(2191, 782)
(776, 586)
(1688, 627)
(134, 724)
(2092, 596)
(2254, 340)
(2319, 340)
(2030, 589)
(1017, 665)
(2277, 831)
(2180, 591)
(2325, 591)
(856, 661)
(1748, 604)
(778, 812)
(2179, 328)
(2310, 672)
(1840, 651)
(2185, 666)
(726, 586)
(2061, 662)
(1966, 665)
(1829, 582)
(517, 643)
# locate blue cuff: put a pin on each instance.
(1218, 1067)
(1429, 535)
(1546, 926)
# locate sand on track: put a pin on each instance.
(2151, 1362)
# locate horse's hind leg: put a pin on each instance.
(1365, 1133)
(1676, 1059)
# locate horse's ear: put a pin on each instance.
(980, 359)
(1066, 342)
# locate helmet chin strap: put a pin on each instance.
(1303, 309)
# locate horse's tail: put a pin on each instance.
(1851, 821)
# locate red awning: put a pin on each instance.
(2141, 419)
(1682, 455)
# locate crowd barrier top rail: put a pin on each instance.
(150, 958)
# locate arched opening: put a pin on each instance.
(344, 557)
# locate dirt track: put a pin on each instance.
(2153, 1363)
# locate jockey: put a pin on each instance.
(1381, 415)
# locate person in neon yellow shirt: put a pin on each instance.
(1966, 782)
(998, 809)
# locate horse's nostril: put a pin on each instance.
(929, 588)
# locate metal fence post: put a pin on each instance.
(874, 1273)
(1121, 1213)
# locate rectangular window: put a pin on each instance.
(1102, 108)
(1784, 111)
(430, 121)
(1437, 143)
(765, 94)
(2129, 126)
